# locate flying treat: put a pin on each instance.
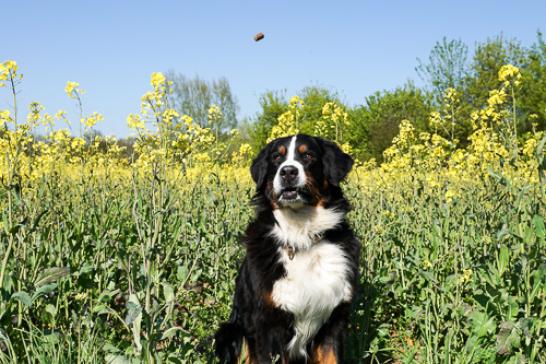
(258, 37)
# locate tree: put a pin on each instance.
(446, 67)
(533, 91)
(483, 75)
(273, 104)
(376, 123)
(195, 96)
(314, 98)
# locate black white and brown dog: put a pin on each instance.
(298, 279)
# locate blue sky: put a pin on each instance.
(354, 47)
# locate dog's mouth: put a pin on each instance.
(289, 193)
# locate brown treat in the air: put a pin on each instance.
(258, 37)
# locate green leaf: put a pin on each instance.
(540, 230)
(5, 223)
(482, 324)
(22, 297)
(136, 331)
(43, 290)
(7, 285)
(51, 310)
(117, 359)
(509, 338)
(504, 257)
(168, 292)
(51, 275)
(170, 332)
(100, 309)
(182, 273)
(134, 309)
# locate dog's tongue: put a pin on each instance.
(290, 194)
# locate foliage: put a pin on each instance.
(195, 97)
(110, 255)
(375, 124)
(303, 111)
(446, 67)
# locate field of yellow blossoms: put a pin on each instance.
(117, 255)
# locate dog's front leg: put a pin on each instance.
(272, 337)
(329, 342)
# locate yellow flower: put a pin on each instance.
(169, 115)
(61, 114)
(72, 89)
(8, 70)
(135, 122)
(449, 196)
(327, 108)
(80, 296)
(90, 121)
(158, 80)
(77, 143)
(295, 101)
(508, 73)
(427, 264)
(529, 147)
(10, 65)
(435, 118)
(467, 276)
(215, 114)
(245, 149)
(450, 96)
(188, 121)
(4, 117)
(496, 97)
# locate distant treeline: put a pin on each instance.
(455, 83)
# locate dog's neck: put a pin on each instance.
(299, 229)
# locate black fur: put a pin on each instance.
(255, 318)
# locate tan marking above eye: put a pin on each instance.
(302, 148)
(282, 150)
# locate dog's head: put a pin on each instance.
(300, 170)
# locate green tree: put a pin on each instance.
(446, 67)
(273, 104)
(532, 98)
(376, 123)
(194, 97)
(488, 58)
(314, 98)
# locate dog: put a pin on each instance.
(296, 284)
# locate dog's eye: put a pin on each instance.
(276, 156)
(307, 156)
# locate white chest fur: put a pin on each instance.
(315, 283)
(302, 227)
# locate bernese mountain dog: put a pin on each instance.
(295, 286)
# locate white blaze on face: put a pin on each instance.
(290, 161)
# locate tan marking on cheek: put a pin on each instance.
(325, 184)
(324, 355)
(302, 148)
(271, 194)
(282, 150)
(313, 188)
(330, 357)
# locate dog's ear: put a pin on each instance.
(337, 164)
(259, 167)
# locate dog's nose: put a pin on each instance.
(289, 173)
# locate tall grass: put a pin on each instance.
(99, 271)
